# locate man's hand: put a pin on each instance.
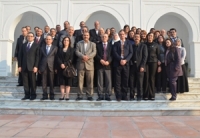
(62, 66)
(107, 63)
(159, 63)
(56, 71)
(123, 62)
(20, 69)
(102, 62)
(159, 69)
(35, 70)
(85, 58)
(141, 69)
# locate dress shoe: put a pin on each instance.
(43, 98)
(125, 99)
(19, 85)
(90, 99)
(79, 98)
(145, 99)
(52, 98)
(152, 99)
(61, 98)
(99, 99)
(118, 99)
(25, 98)
(32, 98)
(108, 99)
(172, 99)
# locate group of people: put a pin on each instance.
(133, 59)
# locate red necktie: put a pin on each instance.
(37, 40)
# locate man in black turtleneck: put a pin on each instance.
(137, 67)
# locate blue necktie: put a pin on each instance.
(48, 47)
(28, 47)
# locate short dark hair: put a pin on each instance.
(52, 29)
(31, 33)
(64, 40)
(24, 28)
(50, 36)
(57, 25)
(28, 26)
(36, 27)
(172, 29)
(126, 26)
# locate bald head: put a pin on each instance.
(71, 30)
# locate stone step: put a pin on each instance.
(73, 95)
(102, 108)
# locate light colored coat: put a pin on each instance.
(90, 52)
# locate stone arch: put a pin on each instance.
(181, 14)
(85, 14)
(14, 18)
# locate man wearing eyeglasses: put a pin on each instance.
(28, 66)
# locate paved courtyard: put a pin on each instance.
(33, 126)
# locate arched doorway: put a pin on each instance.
(28, 18)
(106, 20)
(171, 20)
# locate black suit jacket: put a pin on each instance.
(18, 45)
(41, 42)
(99, 56)
(47, 60)
(77, 32)
(29, 59)
(94, 37)
(141, 56)
(128, 52)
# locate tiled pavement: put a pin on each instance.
(32, 126)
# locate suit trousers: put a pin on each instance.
(151, 69)
(161, 79)
(48, 78)
(136, 77)
(173, 86)
(20, 79)
(29, 83)
(104, 75)
(89, 74)
(121, 81)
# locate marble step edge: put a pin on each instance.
(100, 109)
(94, 101)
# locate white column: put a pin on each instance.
(195, 59)
(5, 57)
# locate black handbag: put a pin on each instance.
(69, 70)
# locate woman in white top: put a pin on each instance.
(182, 82)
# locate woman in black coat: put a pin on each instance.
(64, 56)
(152, 66)
(173, 67)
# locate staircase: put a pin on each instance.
(10, 103)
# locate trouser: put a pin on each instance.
(104, 75)
(173, 86)
(136, 77)
(89, 74)
(151, 69)
(29, 83)
(161, 79)
(121, 81)
(48, 78)
(20, 79)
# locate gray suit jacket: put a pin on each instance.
(90, 52)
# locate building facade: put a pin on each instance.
(184, 15)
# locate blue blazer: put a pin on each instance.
(128, 52)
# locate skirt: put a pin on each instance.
(182, 82)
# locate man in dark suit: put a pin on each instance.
(53, 34)
(94, 33)
(122, 53)
(174, 36)
(39, 39)
(79, 31)
(20, 41)
(58, 29)
(103, 65)
(28, 65)
(137, 67)
(47, 67)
